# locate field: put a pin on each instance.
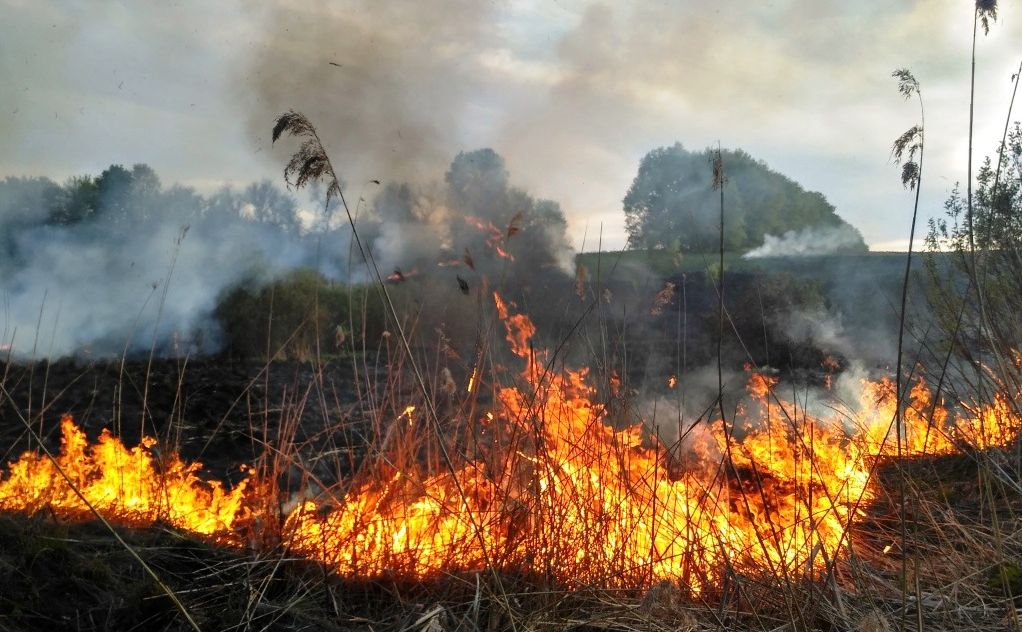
(824, 523)
(388, 394)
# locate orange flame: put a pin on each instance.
(563, 494)
(494, 236)
(135, 486)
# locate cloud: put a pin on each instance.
(572, 94)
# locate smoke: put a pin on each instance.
(810, 241)
(473, 223)
(388, 84)
(118, 264)
(152, 276)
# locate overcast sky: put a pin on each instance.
(571, 93)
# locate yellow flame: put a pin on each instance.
(132, 485)
(560, 492)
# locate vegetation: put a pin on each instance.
(937, 546)
(670, 207)
(301, 316)
(983, 336)
(119, 195)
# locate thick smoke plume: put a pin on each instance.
(116, 264)
(811, 241)
(388, 84)
(146, 270)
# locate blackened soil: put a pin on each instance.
(221, 412)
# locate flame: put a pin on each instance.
(494, 236)
(397, 276)
(137, 486)
(562, 493)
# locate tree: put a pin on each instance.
(79, 198)
(270, 205)
(534, 231)
(987, 334)
(23, 203)
(477, 211)
(670, 204)
(123, 195)
(26, 200)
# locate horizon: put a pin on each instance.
(572, 95)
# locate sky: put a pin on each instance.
(571, 93)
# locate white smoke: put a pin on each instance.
(811, 241)
(147, 269)
(104, 287)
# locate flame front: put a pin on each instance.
(557, 492)
(131, 486)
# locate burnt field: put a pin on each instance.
(306, 464)
(217, 410)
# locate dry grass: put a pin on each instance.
(962, 547)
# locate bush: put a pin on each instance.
(978, 302)
(301, 316)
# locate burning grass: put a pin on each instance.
(541, 493)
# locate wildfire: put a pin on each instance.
(397, 276)
(495, 238)
(562, 494)
(133, 486)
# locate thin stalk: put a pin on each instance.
(117, 536)
(899, 419)
(968, 180)
(367, 256)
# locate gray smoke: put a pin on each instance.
(388, 84)
(116, 283)
(810, 241)
(474, 222)
(139, 267)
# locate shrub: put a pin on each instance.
(300, 316)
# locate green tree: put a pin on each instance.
(123, 195)
(986, 255)
(268, 204)
(78, 200)
(671, 205)
(24, 202)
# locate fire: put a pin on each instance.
(135, 486)
(495, 238)
(397, 276)
(561, 494)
